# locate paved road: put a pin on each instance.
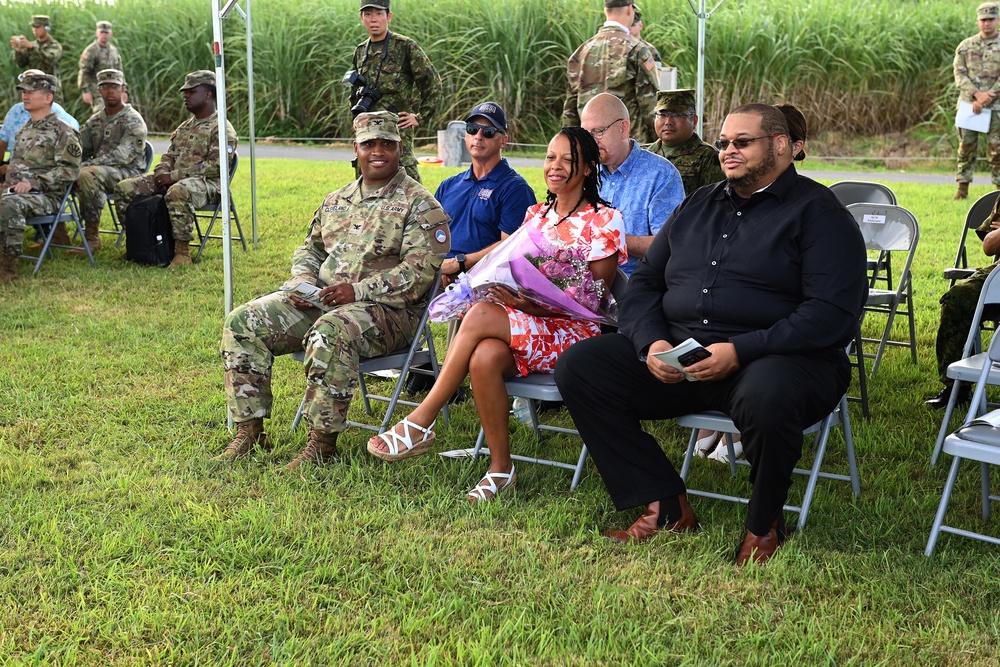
(291, 151)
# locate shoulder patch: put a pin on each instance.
(74, 149)
(649, 65)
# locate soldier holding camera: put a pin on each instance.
(44, 53)
(392, 73)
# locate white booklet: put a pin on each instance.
(309, 293)
(966, 120)
(681, 356)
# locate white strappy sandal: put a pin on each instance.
(721, 453)
(488, 485)
(704, 446)
(402, 446)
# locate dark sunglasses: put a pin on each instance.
(474, 128)
(740, 144)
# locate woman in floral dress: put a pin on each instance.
(509, 335)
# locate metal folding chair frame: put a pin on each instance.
(119, 230)
(981, 208)
(216, 209)
(66, 212)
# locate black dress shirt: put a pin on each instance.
(782, 272)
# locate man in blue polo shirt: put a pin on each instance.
(486, 204)
(645, 187)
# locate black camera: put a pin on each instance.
(362, 95)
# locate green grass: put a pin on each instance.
(121, 544)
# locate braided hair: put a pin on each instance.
(583, 147)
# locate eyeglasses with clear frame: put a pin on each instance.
(599, 133)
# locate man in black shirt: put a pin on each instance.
(767, 271)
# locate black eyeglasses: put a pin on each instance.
(670, 114)
(599, 134)
(474, 128)
(740, 144)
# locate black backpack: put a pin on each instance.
(149, 238)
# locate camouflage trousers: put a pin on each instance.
(969, 147)
(14, 211)
(407, 161)
(92, 188)
(334, 343)
(958, 305)
(181, 198)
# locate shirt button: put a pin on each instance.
(704, 291)
(725, 236)
(704, 321)
(714, 263)
(739, 213)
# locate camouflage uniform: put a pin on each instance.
(94, 59)
(612, 61)
(46, 155)
(192, 160)
(388, 246)
(697, 161)
(44, 56)
(408, 82)
(958, 305)
(977, 68)
(113, 150)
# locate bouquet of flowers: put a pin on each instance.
(558, 279)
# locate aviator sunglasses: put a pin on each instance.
(474, 128)
(740, 144)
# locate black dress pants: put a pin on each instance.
(771, 400)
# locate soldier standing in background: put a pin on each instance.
(374, 248)
(188, 173)
(402, 75)
(676, 118)
(44, 53)
(636, 31)
(101, 54)
(977, 75)
(613, 61)
(114, 148)
(45, 161)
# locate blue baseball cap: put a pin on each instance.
(492, 112)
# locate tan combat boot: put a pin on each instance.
(963, 192)
(61, 237)
(248, 435)
(93, 238)
(182, 255)
(8, 268)
(319, 448)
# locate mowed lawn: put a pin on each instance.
(121, 543)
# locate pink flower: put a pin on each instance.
(554, 270)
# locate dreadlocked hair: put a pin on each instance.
(583, 148)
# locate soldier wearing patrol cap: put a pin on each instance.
(636, 31)
(613, 61)
(114, 149)
(45, 161)
(44, 53)
(977, 75)
(676, 119)
(99, 55)
(398, 69)
(373, 249)
(188, 173)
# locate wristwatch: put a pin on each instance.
(460, 258)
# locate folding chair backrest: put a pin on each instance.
(980, 209)
(863, 192)
(148, 154)
(233, 164)
(618, 287)
(886, 227)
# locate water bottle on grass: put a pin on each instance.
(522, 410)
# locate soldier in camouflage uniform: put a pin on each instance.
(958, 305)
(44, 53)
(188, 173)
(636, 31)
(114, 149)
(612, 61)
(677, 141)
(397, 67)
(977, 75)
(374, 247)
(99, 55)
(45, 161)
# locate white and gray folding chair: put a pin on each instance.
(976, 440)
(969, 367)
(869, 192)
(46, 225)
(119, 225)
(978, 213)
(542, 387)
(414, 359)
(718, 421)
(890, 229)
(215, 210)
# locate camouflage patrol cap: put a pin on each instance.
(34, 79)
(609, 4)
(988, 10)
(104, 26)
(377, 4)
(202, 77)
(376, 125)
(638, 15)
(110, 76)
(675, 101)
(40, 21)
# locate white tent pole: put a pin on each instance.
(220, 86)
(253, 135)
(703, 17)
